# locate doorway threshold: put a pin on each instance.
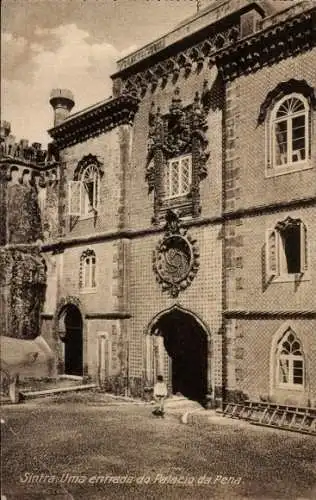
(65, 376)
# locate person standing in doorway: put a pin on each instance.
(160, 394)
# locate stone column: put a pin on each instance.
(159, 350)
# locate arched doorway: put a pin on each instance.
(73, 342)
(186, 343)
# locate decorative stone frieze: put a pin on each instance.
(96, 120)
(295, 35)
(189, 60)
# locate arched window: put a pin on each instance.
(290, 362)
(289, 132)
(88, 271)
(84, 192)
(90, 183)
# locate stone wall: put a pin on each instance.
(23, 271)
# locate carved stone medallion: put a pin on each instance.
(175, 261)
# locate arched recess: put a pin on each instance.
(177, 307)
(86, 161)
(69, 329)
(283, 89)
(177, 347)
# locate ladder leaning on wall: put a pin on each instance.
(299, 419)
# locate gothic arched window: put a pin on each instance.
(84, 192)
(286, 249)
(290, 361)
(88, 271)
(90, 184)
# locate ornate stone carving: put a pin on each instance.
(23, 271)
(181, 131)
(62, 304)
(188, 60)
(288, 223)
(176, 259)
(68, 300)
(270, 45)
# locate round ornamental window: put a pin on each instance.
(174, 259)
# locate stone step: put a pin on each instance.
(181, 403)
(59, 390)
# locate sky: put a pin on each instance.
(71, 44)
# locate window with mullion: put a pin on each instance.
(290, 361)
(90, 188)
(179, 177)
(291, 370)
(290, 132)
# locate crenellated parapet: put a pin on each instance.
(15, 173)
(21, 152)
(24, 176)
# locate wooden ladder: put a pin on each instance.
(299, 419)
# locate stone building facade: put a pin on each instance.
(181, 230)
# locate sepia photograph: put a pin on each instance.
(158, 250)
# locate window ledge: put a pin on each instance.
(291, 387)
(288, 169)
(88, 216)
(88, 290)
(289, 278)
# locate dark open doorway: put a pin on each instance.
(73, 341)
(186, 343)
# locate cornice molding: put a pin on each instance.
(108, 315)
(280, 36)
(268, 46)
(96, 120)
(10, 162)
(184, 62)
(59, 245)
(246, 314)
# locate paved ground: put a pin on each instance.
(84, 448)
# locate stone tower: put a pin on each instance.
(62, 101)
